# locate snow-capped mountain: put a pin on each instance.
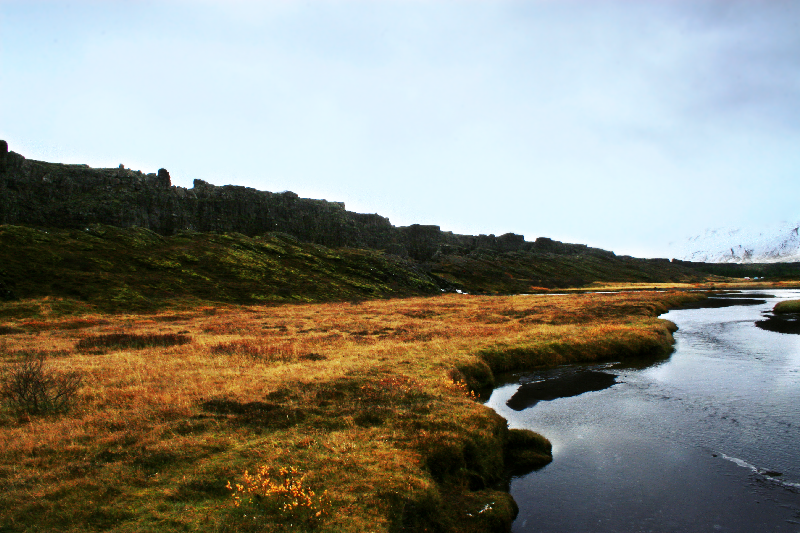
(777, 244)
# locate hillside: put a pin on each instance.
(122, 239)
(133, 268)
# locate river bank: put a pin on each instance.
(367, 411)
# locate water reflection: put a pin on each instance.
(781, 323)
(559, 384)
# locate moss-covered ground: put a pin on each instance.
(787, 306)
(523, 272)
(117, 269)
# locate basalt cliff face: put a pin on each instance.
(44, 194)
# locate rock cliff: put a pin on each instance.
(45, 194)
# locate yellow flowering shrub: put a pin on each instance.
(285, 494)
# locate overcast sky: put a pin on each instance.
(622, 125)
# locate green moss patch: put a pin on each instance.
(787, 306)
(134, 269)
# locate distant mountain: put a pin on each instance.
(776, 244)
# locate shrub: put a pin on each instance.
(32, 388)
(284, 494)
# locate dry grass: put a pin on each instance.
(365, 403)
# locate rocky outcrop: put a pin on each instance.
(74, 196)
(3, 155)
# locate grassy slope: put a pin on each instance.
(521, 272)
(367, 400)
(124, 269)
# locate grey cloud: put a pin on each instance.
(745, 62)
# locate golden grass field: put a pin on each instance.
(357, 416)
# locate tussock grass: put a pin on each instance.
(372, 404)
(527, 450)
(256, 350)
(134, 341)
(787, 306)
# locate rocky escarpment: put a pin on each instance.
(45, 194)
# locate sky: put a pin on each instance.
(624, 125)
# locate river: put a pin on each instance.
(706, 440)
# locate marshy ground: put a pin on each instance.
(357, 416)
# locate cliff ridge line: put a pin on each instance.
(60, 195)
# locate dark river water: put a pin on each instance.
(707, 440)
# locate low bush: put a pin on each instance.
(285, 495)
(30, 387)
(254, 350)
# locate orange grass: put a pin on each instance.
(366, 403)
